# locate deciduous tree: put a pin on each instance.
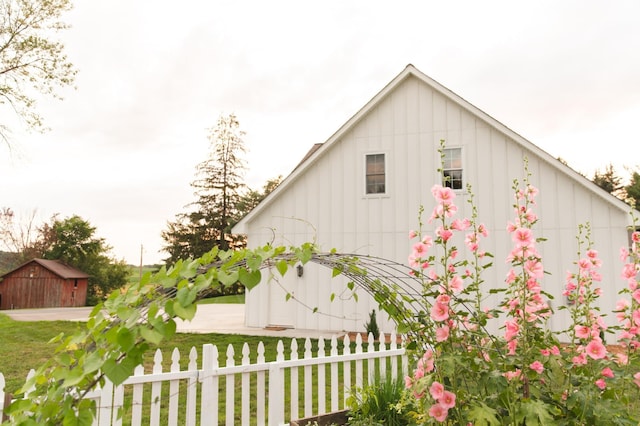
(32, 62)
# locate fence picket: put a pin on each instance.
(334, 374)
(136, 398)
(192, 388)
(209, 389)
(156, 389)
(229, 402)
(358, 361)
(245, 408)
(174, 388)
(346, 369)
(321, 379)
(308, 380)
(260, 380)
(294, 381)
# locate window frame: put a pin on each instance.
(453, 169)
(385, 174)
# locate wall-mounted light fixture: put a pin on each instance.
(300, 270)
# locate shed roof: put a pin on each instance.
(318, 150)
(57, 267)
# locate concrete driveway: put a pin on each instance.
(212, 318)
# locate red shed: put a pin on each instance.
(42, 283)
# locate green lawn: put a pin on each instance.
(231, 298)
(25, 346)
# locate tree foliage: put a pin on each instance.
(608, 180)
(31, 61)
(73, 241)
(222, 198)
(632, 190)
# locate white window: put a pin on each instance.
(375, 174)
(452, 170)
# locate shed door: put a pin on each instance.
(282, 311)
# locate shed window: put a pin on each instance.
(375, 174)
(452, 170)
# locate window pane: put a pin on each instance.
(452, 170)
(375, 174)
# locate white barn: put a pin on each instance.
(326, 200)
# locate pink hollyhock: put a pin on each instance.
(636, 317)
(444, 195)
(510, 375)
(607, 372)
(595, 349)
(582, 331)
(456, 284)
(512, 345)
(443, 233)
(448, 399)
(601, 384)
(408, 381)
(442, 333)
(636, 295)
(523, 237)
(438, 412)
(439, 312)
(436, 390)
(412, 234)
(579, 359)
(537, 367)
(427, 240)
(511, 329)
(443, 298)
(629, 271)
(636, 379)
(534, 268)
(624, 254)
(419, 250)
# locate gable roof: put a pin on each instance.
(410, 71)
(57, 267)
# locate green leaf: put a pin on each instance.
(151, 335)
(93, 362)
(288, 296)
(126, 339)
(227, 279)
(118, 372)
(482, 415)
(333, 296)
(534, 412)
(282, 267)
(249, 279)
(185, 312)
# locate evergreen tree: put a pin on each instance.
(608, 180)
(632, 190)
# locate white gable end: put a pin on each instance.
(325, 200)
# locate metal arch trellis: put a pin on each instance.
(393, 285)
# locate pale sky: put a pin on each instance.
(155, 75)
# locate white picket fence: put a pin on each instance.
(173, 397)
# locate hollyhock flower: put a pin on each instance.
(442, 333)
(438, 412)
(624, 254)
(412, 234)
(511, 276)
(534, 268)
(418, 374)
(636, 379)
(579, 359)
(420, 249)
(427, 240)
(629, 271)
(443, 298)
(460, 224)
(522, 237)
(444, 195)
(595, 349)
(444, 233)
(510, 375)
(537, 367)
(436, 390)
(622, 358)
(453, 254)
(439, 312)
(448, 399)
(601, 384)
(636, 295)
(511, 329)
(512, 345)
(635, 237)
(607, 372)
(408, 382)
(456, 284)
(636, 317)
(582, 331)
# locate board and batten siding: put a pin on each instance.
(326, 203)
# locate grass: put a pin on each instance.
(25, 346)
(231, 298)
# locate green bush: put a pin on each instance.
(378, 403)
